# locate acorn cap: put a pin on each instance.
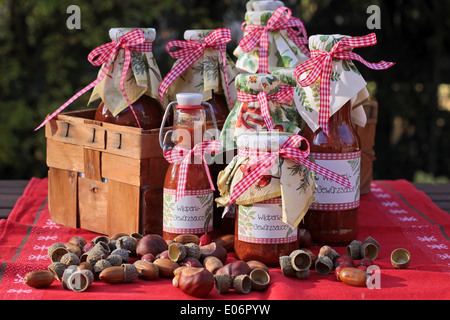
(286, 266)
(95, 255)
(260, 279)
(323, 265)
(70, 259)
(101, 265)
(69, 270)
(372, 240)
(242, 284)
(192, 250)
(130, 272)
(58, 269)
(354, 249)
(53, 247)
(57, 253)
(114, 259)
(177, 251)
(223, 282)
(125, 254)
(400, 258)
(103, 247)
(79, 281)
(369, 250)
(104, 239)
(300, 260)
(127, 243)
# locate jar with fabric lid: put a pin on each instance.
(272, 193)
(206, 70)
(272, 37)
(330, 116)
(188, 190)
(141, 86)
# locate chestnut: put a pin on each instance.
(304, 237)
(196, 282)
(235, 268)
(151, 243)
(214, 249)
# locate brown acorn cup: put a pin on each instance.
(242, 284)
(400, 258)
(260, 279)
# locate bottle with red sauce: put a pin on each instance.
(193, 213)
(143, 79)
(333, 218)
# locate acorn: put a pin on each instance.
(112, 275)
(354, 249)
(353, 276)
(73, 248)
(260, 279)
(192, 250)
(147, 270)
(323, 265)
(124, 254)
(286, 266)
(254, 264)
(70, 259)
(69, 270)
(80, 280)
(242, 284)
(57, 253)
(130, 272)
(196, 282)
(300, 260)
(226, 241)
(223, 282)
(212, 264)
(39, 279)
(78, 241)
(85, 266)
(95, 255)
(400, 258)
(101, 265)
(58, 269)
(166, 267)
(126, 243)
(177, 252)
(187, 238)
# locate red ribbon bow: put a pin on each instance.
(191, 51)
(278, 21)
(263, 99)
(183, 156)
(320, 65)
(266, 160)
(285, 93)
(131, 41)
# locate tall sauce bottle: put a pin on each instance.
(193, 213)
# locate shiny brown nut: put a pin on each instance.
(39, 278)
(226, 241)
(235, 269)
(151, 243)
(353, 276)
(85, 266)
(214, 249)
(147, 270)
(304, 237)
(196, 282)
(73, 248)
(187, 238)
(112, 275)
(166, 267)
(191, 262)
(254, 264)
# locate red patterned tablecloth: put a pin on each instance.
(395, 213)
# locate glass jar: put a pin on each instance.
(260, 233)
(193, 213)
(333, 218)
(141, 85)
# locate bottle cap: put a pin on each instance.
(189, 100)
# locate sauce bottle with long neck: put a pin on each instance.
(333, 216)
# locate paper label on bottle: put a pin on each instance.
(192, 214)
(262, 222)
(329, 195)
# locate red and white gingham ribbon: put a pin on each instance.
(285, 93)
(320, 65)
(131, 41)
(265, 160)
(190, 51)
(184, 156)
(259, 34)
(263, 99)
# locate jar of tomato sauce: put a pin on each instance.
(333, 217)
(260, 233)
(143, 79)
(193, 213)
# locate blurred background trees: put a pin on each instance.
(43, 63)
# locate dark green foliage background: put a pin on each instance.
(43, 63)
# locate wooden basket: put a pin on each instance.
(103, 177)
(367, 137)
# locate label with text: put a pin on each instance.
(329, 195)
(192, 214)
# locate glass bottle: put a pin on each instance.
(333, 218)
(192, 214)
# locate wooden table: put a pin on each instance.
(11, 190)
